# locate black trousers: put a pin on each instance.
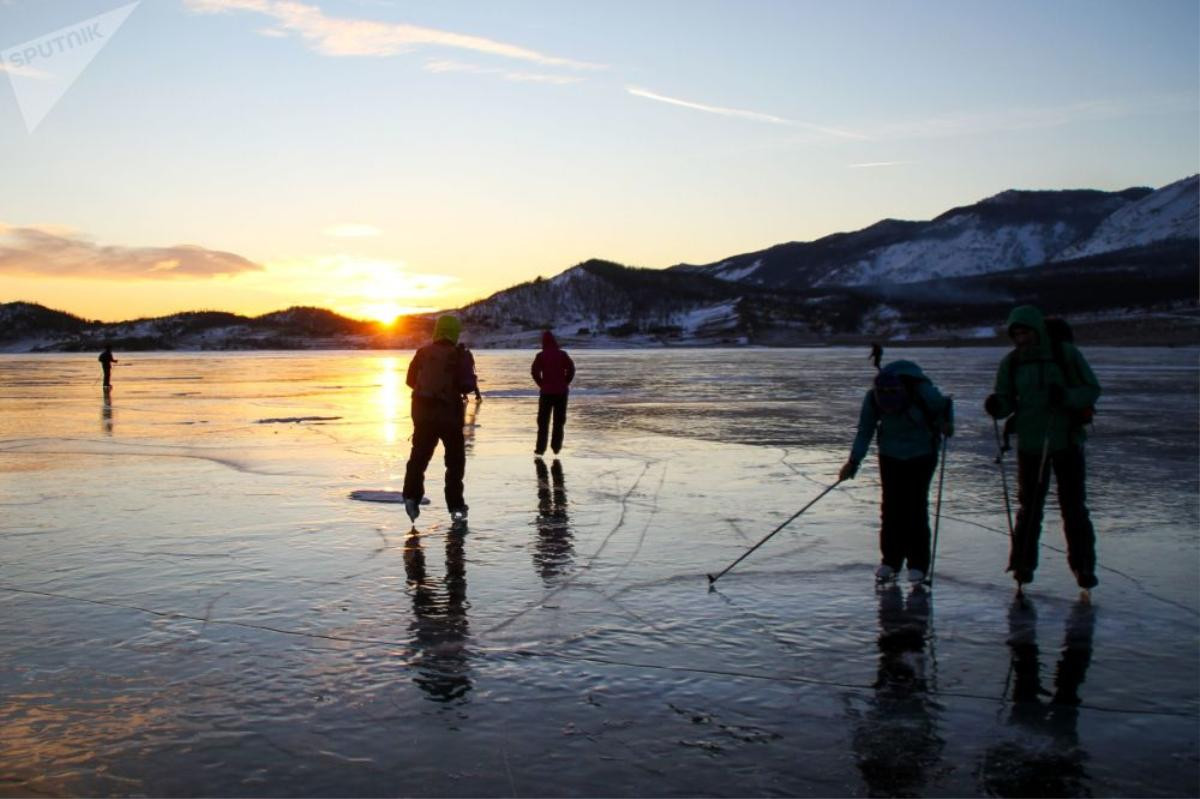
(904, 512)
(1069, 471)
(548, 404)
(435, 421)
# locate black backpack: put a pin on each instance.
(912, 396)
(446, 374)
(1058, 331)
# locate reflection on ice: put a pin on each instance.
(554, 551)
(1046, 758)
(393, 412)
(193, 603)
(440, 630)
(106, 413)
(897, 739)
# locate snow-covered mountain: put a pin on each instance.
(1131, 255)
(26, 327)
(601, 301)
(1012, 230)
(1172, 212)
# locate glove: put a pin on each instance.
(848, 471)
(948, 429)
(991, 406)
(1057, 395)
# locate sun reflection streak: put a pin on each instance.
(389, 397)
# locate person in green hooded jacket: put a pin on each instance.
(439, 375)
(909, 416)
(1048, 388)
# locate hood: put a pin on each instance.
(447, 327)
(1029, 316)
(549, 342)
(903, 368)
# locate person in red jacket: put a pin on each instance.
(553, 370)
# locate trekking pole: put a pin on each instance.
(712, 579)
(937, 516)
(1000, 450)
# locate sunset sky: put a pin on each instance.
(377, 157)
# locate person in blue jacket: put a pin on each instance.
(909, 416)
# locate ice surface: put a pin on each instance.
(192, 603)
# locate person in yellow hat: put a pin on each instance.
(438, 376)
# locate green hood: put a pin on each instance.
(447, 327)
(1031, 317)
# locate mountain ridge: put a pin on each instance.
(947, 278)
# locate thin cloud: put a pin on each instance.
(343, 36)
(50, 252)
(444, 65)
(739, 113)
(875, 164)
(352, 231)
(1033, 118)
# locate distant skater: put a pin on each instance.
(876, 354)
(1047, 386)
(910, 416)
(552, 370)
(106, 361)
(439, 377)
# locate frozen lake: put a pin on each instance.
(192, 605)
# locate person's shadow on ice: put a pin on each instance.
(1046, 760)
(440, 630)
(554, 551)
(896, 740)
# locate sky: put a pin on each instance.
(380, 157)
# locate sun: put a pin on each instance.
(383, 291)
(385, 313)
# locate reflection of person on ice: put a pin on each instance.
(911, 416)
(106, 361)
(1047, 386)
(552, 370)
(438, 376)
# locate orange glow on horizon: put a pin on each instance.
(387, 314)
(380, 291)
